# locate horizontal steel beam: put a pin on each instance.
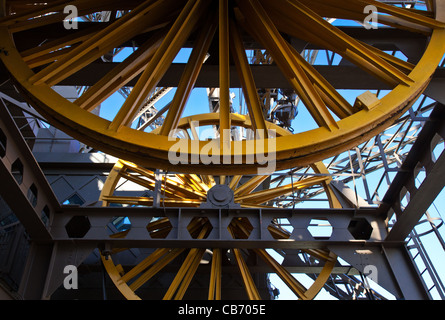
(265, 76)
(90, 226)
(34, 37)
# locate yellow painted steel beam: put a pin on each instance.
(115, 276)
(171, 189)
(249, 185)
(34, 53)
(49, 57)
(224, 74)
(266, 32)
(270, 194)
(112, 180)
(145, 201)
(322, 277)
(105, 40)
(185, 274)
(195, 181)
(405, 14)
(188, 268)
(47, 13)
(249, 284)
(402, 65)
(338, 42)
(344, 44)
(235, 181)
(332, 98)
(120, 75)
(320, 168)
(247, 83)
(215, 275)
(297, 288)
(155, 268)
(174, 186)
(189, 276)
(144, 264)
(278, 232)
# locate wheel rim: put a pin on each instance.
(356, 124)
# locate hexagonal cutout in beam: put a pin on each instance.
(240, 228)
(199, 227)
(320, 228)
(159, 227)
(17, 171)
(360, 228)
(119, 227)
(78, 226)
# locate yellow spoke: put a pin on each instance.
(332, 38)
(405, 14)
(160, 62)
(155, 268)
(329, 95)
(398, 63)
(270, 194)
(144, 264)
(249, 185)
(297, 288)
(249, 284)
(234, 182)
(104, 41)
(184, 275)
(144, 201)
(48, 58)
(120, 75)
(319, 254)
(189, 77)
(265, 31)
(247, 82)
(215, 276)
(51, 46)
(224, 79)
(170, 184)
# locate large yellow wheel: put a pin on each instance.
(191, 190)
(168, 24)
